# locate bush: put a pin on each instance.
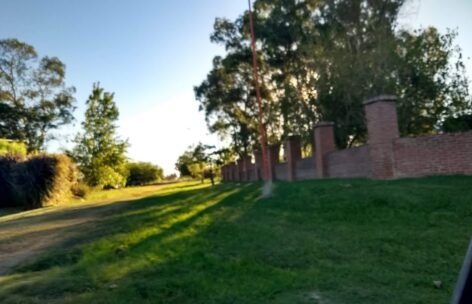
(10, 147)
(143, 173)
(7, 186)
(80, 190)
(38, 181)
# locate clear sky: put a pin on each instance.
(152, 52)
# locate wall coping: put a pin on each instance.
(380, 98)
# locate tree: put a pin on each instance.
(320, 60)
(99, 152)
(183, 162)
(361, 54)
(34, 99)
(431, 85)
(198, 162)
(461, 123)
(228, 100)
(142, 173)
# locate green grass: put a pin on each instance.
(330, 241)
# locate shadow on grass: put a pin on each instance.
(121, 217)
(127, 240)
(336, 241)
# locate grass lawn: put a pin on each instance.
(329, 241)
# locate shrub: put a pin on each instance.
(10, 147)
(80, 190)
(142, 173)
(38, 181)
(7, 186)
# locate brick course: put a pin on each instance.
(433, 155)
(354, 162)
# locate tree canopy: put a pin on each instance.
(319, 60)
(201, 161)
(99, 152)
(142, 173)
(34, 99)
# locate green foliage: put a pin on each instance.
(41, 180)
(319, 60)
(99, 153)
(34, 99)
(458, 124)
(10, 147)
(197, 169)
(7, 186)
(195, 161)
(328, 241)
(183, 162)
(142, 173)
(431, 82)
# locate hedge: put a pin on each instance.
(37, 181)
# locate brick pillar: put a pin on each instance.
(382, 129)
(324, 144)
(293, 153)
(273, 158)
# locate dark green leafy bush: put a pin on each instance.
(38, 181)
(142, 173)
(458, 124)
(7, 186)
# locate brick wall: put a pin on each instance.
(433, 155)
(385, 156)
(306, 168)
(281, 171)
(354, 162)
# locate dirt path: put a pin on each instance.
(24, 236)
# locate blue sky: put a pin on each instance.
(152, 52)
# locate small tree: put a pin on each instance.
(99, 152)
(183, 162)
(142, 173)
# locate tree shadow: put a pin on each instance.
(72, 227)
(170, 215)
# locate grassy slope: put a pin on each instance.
(330, 241)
